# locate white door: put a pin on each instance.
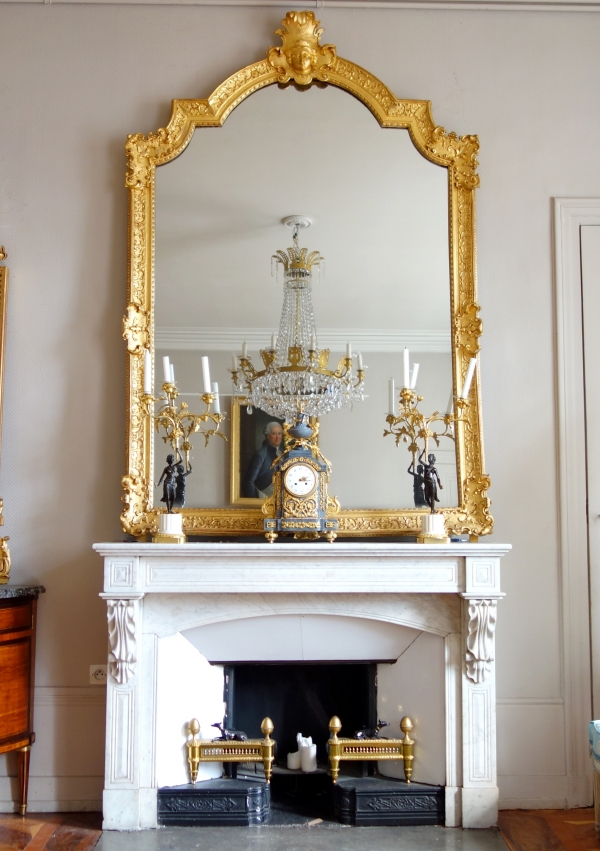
(590, 285)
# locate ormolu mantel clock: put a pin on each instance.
(300, 503)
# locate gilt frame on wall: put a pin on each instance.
(304, 60)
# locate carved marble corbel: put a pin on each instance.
(121, 635)
(480, 639)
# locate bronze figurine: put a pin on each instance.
(418, 482)
(169, 474)
(180, 484)
(431, 481)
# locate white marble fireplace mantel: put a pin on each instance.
(157, 590)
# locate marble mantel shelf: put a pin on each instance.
(467, 569)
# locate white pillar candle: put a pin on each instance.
(206, 374)
(234, 363)
(273, 341)
(147, 371)
(406, 370)
(450, 407)
(413, 377)
(308, 758)
(359, 361)
(348, 350)
(166, 369)
(392, 392)
(468, 378)
(172, 371)
(216, 403)
(313, 343)
(244, 349)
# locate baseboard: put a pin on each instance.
(544, 792)
(54, 794)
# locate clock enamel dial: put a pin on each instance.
(300, 480)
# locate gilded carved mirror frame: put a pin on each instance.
(302, 58)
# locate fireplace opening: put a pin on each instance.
(300, 698)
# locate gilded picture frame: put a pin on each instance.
(293, 60)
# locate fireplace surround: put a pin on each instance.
(158, 594)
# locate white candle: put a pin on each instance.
(413, 377)
(172, 373)
(359, 361)
(392, 392)
(206, 374)
(216, 404)
(450, 407)
(234, 363)
(147, 371)
(244, 349)
(273, 341)
(348, 350)
(166, 369)
(468, 378)
(406, 371)
(313, 343)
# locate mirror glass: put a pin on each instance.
(380, 219)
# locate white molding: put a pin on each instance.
(226, 339)
(458, 5)
(69, 696)
(569, 215)
(530, 701)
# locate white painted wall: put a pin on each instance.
(75, 80)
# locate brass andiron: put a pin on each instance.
(359, 750)
(251, 750)
(193, 749)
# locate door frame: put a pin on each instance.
(569, 215)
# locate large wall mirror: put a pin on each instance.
(391, 198)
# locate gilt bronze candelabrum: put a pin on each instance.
(179, 423)
(412, 425)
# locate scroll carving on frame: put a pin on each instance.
(302, 59)
(121, 636)
(480, 639)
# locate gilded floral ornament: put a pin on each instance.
(134, 519)
(301, 57)
(461, 151)
(468, 328)
(4, 560)
(135, 329)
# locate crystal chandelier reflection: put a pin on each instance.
(296, 382)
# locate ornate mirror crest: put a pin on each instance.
(303, 59)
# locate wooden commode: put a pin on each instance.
(18, 604)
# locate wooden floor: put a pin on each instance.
(50, 831)
(550, 830)
(522, 830)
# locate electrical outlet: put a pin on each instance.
(98, 675)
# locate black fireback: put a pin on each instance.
(301, 698)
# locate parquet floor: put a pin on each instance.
(549, 830)
(50, 831)
(522, 830)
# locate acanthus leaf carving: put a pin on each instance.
(468, 328)
(301, 57)
(121, 636)
(134, 519)
(461, 151)
(135, 329)
(480, 639)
